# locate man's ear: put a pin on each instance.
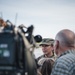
(56, 45)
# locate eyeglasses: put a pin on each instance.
(45, 45)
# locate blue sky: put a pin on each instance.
(47, 16)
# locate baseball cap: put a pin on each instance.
(47, 41)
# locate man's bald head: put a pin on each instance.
(66, 37)
(64, 40)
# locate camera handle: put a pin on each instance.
(30, 64)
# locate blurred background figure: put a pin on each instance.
(49, 55)
(47, 66)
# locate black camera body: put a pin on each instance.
(7, 51)
(14, 56)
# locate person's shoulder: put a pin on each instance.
(65, 63)
(40, 57)
(67, 59)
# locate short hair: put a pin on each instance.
(66, 37)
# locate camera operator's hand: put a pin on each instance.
(2, 23)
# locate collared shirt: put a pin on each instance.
(65, 64)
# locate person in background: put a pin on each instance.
(49, 54)
(64, 47)
(47, 66)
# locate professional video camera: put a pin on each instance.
(16, 49)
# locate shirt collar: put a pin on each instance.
(68, 51)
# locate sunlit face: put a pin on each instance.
(47, 49)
